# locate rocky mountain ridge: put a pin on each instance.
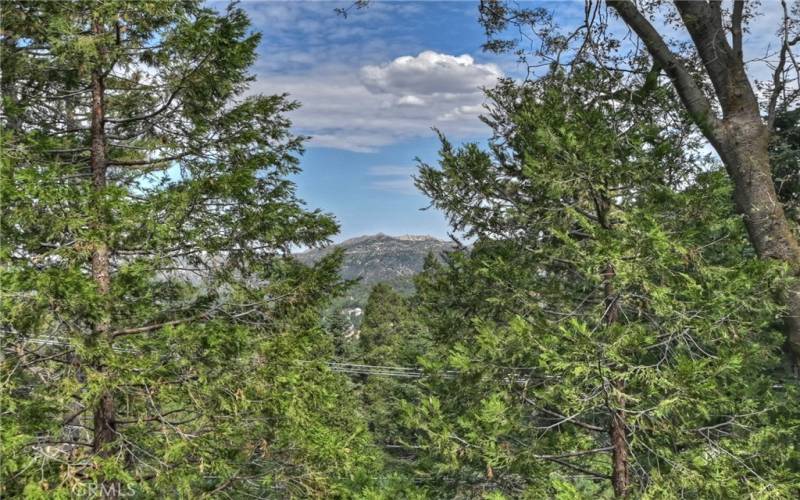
(382, 258)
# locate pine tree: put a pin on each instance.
(157, 339)
(611, 330)
(712, 82)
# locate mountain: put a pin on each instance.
(374, 259)
(382, 258)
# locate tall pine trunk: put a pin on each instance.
(105, 411)
(617, 427)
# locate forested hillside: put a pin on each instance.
(624, 322)
(381, 258)
(368, 261)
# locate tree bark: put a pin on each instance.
(105, 410)
(619, 450)
(740, 136)
(743, 150)
(105, 424)
(100, 255)
(617, 429)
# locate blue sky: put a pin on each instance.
(372, 86)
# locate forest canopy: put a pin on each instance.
(619, 316)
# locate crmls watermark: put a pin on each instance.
(104, 490)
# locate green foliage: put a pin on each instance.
(210, 346)
(609, 276)
(389, 331)
(609, 286)
(784, 159)
(390, 335)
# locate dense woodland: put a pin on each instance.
(623, 319)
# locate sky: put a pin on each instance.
(374, 84)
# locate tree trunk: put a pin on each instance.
(619, 445)
(100, 255)
(743, 148)
(617, 427)
(105, 411)
(616, 405)
(8, 82)
(740, 136)
(105, 425)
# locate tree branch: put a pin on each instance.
(778, 82)
(579, 469)
(150, 328)
(572, 420)
(140, 163)
(575, 453)
(72, 416)
(166, 105)
(736, 29)
(690, 93)
(712, 46)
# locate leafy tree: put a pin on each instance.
(611, 331)
(156, 337)
(389, 332)
(711, 81)
(339, 328)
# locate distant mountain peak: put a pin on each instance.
(382, 258)
(417, 237)
(383, 236)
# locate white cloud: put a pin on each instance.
(401, 186)
(301, 35)
(377, 105)
(430, 73)
(461, 112)
(410, 100)
(357, 95)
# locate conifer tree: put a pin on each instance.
(699, 48)
(157, 340)
(611, 331)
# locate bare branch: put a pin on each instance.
(690, 93)
(572, 420)
(778, 80)
(736, 29)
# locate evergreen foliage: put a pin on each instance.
(156, 338)
(610, 330)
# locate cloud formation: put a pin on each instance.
(429, 74)
(362, 109)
